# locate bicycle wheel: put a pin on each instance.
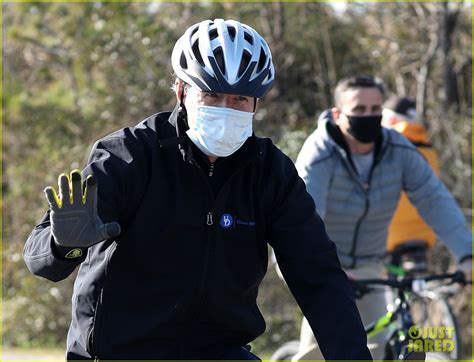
(435, 311)
(438, 356)
(286, 351)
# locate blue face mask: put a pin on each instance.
(220, 131)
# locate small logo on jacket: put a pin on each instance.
(228, 221)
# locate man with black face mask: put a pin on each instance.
(355, 171)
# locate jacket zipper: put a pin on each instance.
(210, 219)
(209, 223)
(356, 230)
(366, 189)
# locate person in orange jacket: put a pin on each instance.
(408, 232)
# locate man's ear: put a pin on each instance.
(335, 115)
(179, 87)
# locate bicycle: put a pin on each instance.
(398, 319)
(428, 307)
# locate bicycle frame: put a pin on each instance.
(398, 318)
(401, 316)
(402, 309)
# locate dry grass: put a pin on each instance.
(18, 354)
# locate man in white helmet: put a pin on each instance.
(172, 227)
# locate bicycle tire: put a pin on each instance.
(438, 356)
(437, 312)
(286, 351)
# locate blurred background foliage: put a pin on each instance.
(73, 72)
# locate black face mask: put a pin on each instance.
(365, 129)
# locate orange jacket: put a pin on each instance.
(407, 224)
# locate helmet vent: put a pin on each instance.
(213, 34)
(219, 56)
(231, 33)
(270, 75)
(182, 62)
(248, 37)
(197, 53)
(246, 56)
(261, 60)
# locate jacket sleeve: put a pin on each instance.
(315, 173)
(311, 268)
(117, 165)
(42, 256)
(436, 204)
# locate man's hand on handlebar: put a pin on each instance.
(466, 268)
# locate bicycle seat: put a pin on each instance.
(411, 245)
(411, 256)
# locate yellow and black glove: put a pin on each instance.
(74, 218)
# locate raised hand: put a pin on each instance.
(74, 218)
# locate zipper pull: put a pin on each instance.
(209, 218)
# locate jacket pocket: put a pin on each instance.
(91, 348)
(92, 334)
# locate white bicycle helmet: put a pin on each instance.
(224, 57)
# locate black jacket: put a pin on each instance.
(188, 262)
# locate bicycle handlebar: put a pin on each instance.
(362, 286)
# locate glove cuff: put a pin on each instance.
(66, 252)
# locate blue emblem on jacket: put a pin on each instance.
(227, 221)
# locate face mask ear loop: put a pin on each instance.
(183, 114)
(182, 125)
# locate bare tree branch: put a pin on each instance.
(425, 63)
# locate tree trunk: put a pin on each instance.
(447, 30)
